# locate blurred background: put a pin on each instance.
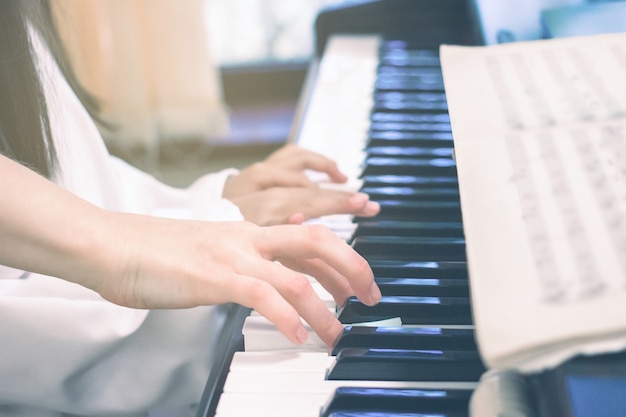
(191, 86)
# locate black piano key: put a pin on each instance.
(400, 58)
(425, 74)
(406, 365)
(416, 269)
(386, 117)
(437, 99)
(409, 181)
(416, 101)
(423, 287)
(412, 193)
(404, 138)
(407, 84)
(376, 165)
(408, 43)
(409, 152)
(392, 400)
(408, 71)
(411, 310)
(406, 49)
(387, 96)
(410, 248)
(408, 228)
(434, 211)
(411, 338)
(410, 126)
(409, 80)
(410, 106)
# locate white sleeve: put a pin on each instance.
(140, 192)
(64, 349)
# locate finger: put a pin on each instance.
(370, 209)
(297, 158)
(336, 284)
(297, 290)
(323, 164)
(266, 300)
(360, 204)
(297, 218)
(289, 242)
(281, 177)
(328, 202)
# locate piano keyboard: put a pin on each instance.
(378, 108)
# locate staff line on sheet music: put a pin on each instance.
(576, 92)
(589, 99)
(611, 200)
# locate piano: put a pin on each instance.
(374, 101)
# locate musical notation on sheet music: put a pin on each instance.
(541, 173)
(557, 86)
(565, 122)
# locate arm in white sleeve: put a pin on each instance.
(64, 348)
(202, 200)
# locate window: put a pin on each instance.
(262, 31)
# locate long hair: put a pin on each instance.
(25, 133)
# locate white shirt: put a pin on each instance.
(64, 349)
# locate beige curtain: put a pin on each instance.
(149, 64)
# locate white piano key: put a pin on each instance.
(309, 382)
(344, 86)
(277, 405)
(341, 224)
(260, 334)
(280, 361)
(350, 185)
(322, 293)
(391, 322)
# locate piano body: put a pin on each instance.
(374, 101)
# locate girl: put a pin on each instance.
(110, 306)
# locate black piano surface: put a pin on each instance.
(415, 246)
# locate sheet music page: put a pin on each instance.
(540, 142)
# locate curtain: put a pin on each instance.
(149, 64)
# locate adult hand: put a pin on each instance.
(173, 264)
(295, 205)
(283, 168)
(151, 262)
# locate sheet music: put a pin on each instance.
(540, 142)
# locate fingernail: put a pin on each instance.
(301, 335)
(373, 207)
(359, 199)
(375, 294)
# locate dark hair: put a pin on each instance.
(24, 125)
(25, 133)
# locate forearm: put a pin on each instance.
(46, 229)
(150, 262)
